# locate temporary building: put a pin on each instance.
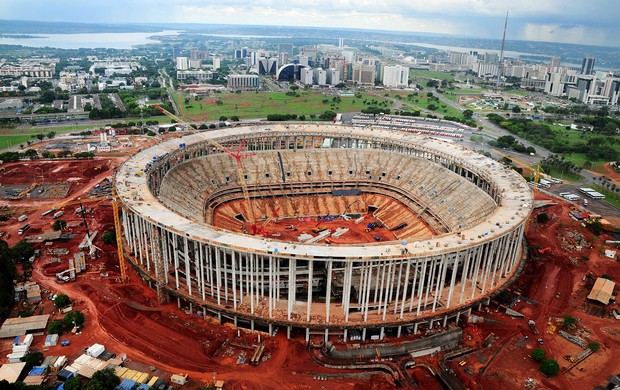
(602, 291)
(11, 372)
(95, 350)
(51, 340)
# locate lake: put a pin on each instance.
(88, 41)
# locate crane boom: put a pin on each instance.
(236, 155)
(119, 238)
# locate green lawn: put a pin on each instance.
(261, 104)
(568, 176)
(452, 93)
(6, 141)
(427, 74)
(422, 101)
(613, 198)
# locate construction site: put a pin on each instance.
(305, 256)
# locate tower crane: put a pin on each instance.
(117, 224)
(237, 155)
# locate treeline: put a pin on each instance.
(32, 154)
(326, 116)
(597, 148)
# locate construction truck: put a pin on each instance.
(532, 325)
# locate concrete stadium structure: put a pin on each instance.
(476, 207)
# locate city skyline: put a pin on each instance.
(549, 21)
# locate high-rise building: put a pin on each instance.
(555, 62)
(320, 76)
(306, 76)
(182, 63)
(286, 48)
(341, 42)
(333, 76)
(194, 63)
(243, 81)
(363, 73)
(587, 66)
(395, 76)
(217, 63)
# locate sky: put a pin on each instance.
(593, 22)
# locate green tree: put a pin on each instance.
(109, 237)
(74, 317)
(468, 114)
(516, 109)
(8, 272)
(56, 327)
(59, 224)
(223, 118)
(550, 367)
(594, 346)
(74, 383)
(569, 321)
(538, 354)
(22, 251)
(104, 379)
(62, 300)
(32, 359)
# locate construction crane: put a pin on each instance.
(117, 225)
(237, 155)
(119, 237)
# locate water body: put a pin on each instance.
(87, 41)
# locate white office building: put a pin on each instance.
(182, 63)
(395, 76)
(319, 76)
(306, 76)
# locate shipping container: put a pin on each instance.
(58, 214)
(22, 218)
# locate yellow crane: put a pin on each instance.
(117, 222)
(237, 155)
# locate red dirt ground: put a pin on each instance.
(557, 284)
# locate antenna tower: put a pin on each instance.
(500, 65)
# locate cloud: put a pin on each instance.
(577, 34)
(541, 20)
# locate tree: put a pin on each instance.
(104, 379)
(594, 346)
(538, 354)
(569, 321)
(8, 272)
(550, 367)
(74, 317)
(74, 383)
(468, 114)
(22, 251)
(56, 327)
(223, 118)
(32, 359)
(234, 118)
(62, 300)
(516, 109)
(109, 237)
(59, 224)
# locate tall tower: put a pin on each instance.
(587, 66)
(500, 65)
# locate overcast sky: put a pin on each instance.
(595, 22)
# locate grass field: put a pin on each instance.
(6, 141)
(568, 176)
(422, 101)
(427, 74)
(261, 104)
(613, 198)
